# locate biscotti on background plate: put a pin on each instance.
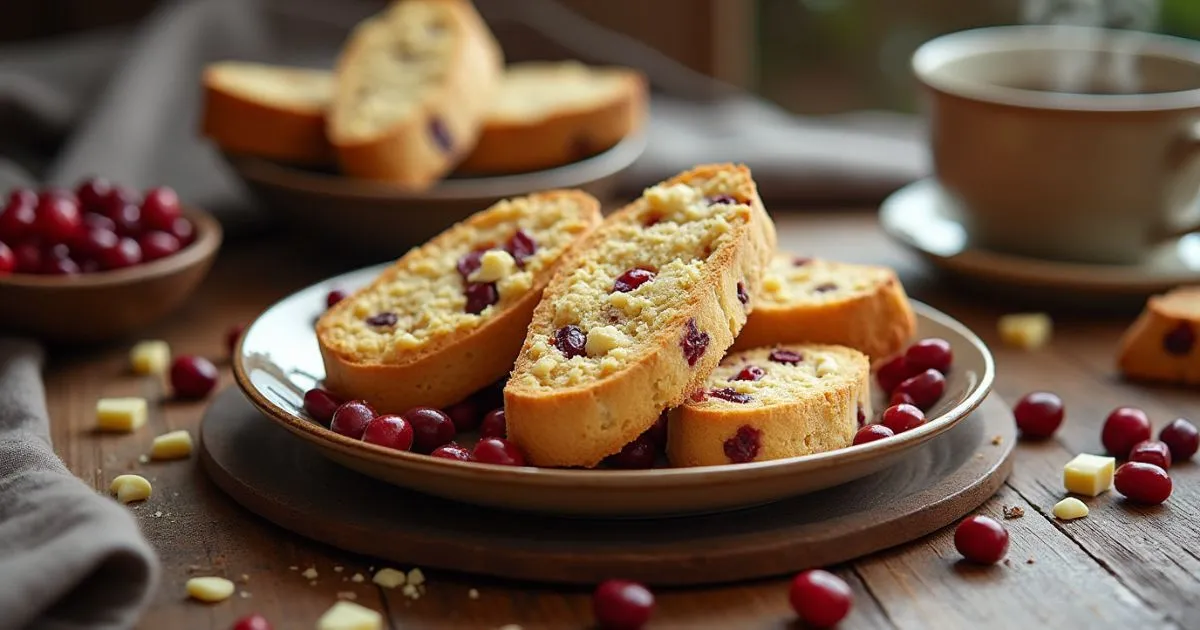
(449, 317)
(413, 86)
(274, 112)
(549, 114)
(1161, 343)
(806, 300)
(639, 316)
(772, 403)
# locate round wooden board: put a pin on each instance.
(284, 480)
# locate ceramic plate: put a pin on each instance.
(278, 360)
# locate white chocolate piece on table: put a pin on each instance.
(173, 445)
(120, 414)
(130, 488)
(1070, 508)
(209, 589)
(389, 578)
(1028, 331)
(150, 357)
(346, 615)
(416, 577)
(1089, 475)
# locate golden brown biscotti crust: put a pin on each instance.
(1160, 345)
(582, 424)
(443, 373)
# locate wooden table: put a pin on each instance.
(1121, 567)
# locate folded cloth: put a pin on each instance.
(69, 558)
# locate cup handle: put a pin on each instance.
(1182, 161)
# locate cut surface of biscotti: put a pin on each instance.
(808, 300)
(772, 403)
(1161, 343)
(548, 114)
(449, 317)
(639, 317)
(270, 111)
(413, 86)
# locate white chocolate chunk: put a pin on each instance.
(130, 488)
(150, 357)
(1028, 331)
(120, 414)
(173, 445)
(494, 265)
(346, 615)
(473, 594)
(1070, 508)
(602, 339)
(357, 578)
(1089, 475)
(310, 573)
(416, 577)
(826, 366)
(389, 578)
(209, 589)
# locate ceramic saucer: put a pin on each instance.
(923, 217)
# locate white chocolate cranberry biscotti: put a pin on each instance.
(449, 317)
(772, 403)
(413, 86)
(639, 317)
(273, 112)
(549, 114)
(805, 300)
(1161, 343)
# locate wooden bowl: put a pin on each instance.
(375, 221)
(95, 307)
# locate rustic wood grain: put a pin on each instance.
(1120, 567)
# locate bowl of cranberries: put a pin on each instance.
(99, 261)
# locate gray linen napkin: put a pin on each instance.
(69, 558)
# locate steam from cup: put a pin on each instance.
(1112, 63)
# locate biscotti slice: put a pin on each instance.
(274, 112)
(550, 114)
(449, 317)
(413, 86)
(772, 403)
(1161, 343)
(639, 317)
(805, 300)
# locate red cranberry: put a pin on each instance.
(480, 295)
(872, 432)
(252, 622)
(59, 266)
(232, 336)
(333, 297)
(320, 405)
(825, 287)
(901, 398)
(28, 257)
(820, 598)
(117, 197)
(453, 450)
(1038, 414)
(750, 373)
(925, 388)
(193, 377)
(128, 219)
(892, 373)
(521, 246)
(431, 428)
(570, 341)
(497, 451)
(22, 196)
(632, 279)
(1182, 438)
(929, 354)
(156, 245)
(92, 192)
(385, 319)
(8, 260)
(730, 394)
(495, 424)
(1151, 452)
(861, 416)
(351, 418)
(1123, 428)
(637, 454)
(743, 446)
(622, 605)
(693, 343)
(127, 253)
(466, 415)
(742, 295)
(1143, 483)
(93, 220)
(160, 208)
(783, 355)
(901, 418)
(16, 222)
(96, 240)
(981, 539)
(800, 261)
(58, 219)
(470, 263)
(1180, 340)
(721, 199)
(658, 431)
(389, 431)
(183, 230)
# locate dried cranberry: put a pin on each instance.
(925, 388)
(743, 446)
(1123, 428)
(497, 451)
(742, 295)
(730, 394)
(452, 450)
(637, 454)
(1179, 340)
(480, 295)
(1142, 483)
(783, 355)
(465, 414)
(470, 263)
(693, 343)
(495, 424)
(1182, 438)
(320, 405)
(632, 279)
(722, 199)
(861, 416)
(825, 287)
(981, 539)
(351, 418)
(440, 134)
(570, 341)
(383, 320)
(622, 605)
(872, 432)
(892, 373)
(750, 373)
(800, 261)
(698, 396)
(1151, 452)
(333, 297)
(431, 428)
(820, 598)
(521, 246)
(658, 431)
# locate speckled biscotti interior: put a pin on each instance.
(449, 317)
(772, 403)
(1161, 343)
(807, 300)
(639, 317)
